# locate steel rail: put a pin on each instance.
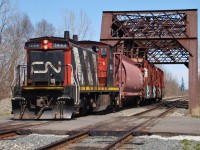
(7, 134)
(65, 141)
(86, 131)
(154, 108)
(120, 141)
(10, 131)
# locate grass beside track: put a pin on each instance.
(190, 144)
(6, 115)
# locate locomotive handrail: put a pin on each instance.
(118, 68)
(16, 67)
(78, 85)
(14, 78)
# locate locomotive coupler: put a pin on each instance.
(63, 98)
(42, 101)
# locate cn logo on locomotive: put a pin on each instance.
(47, 64)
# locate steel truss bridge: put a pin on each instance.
(161, 37)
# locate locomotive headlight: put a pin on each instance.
(45, 44)
(45, 41)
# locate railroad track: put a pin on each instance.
(109, 139)
(7, 131)
(101, 134)
(7, 134)
(126, 137)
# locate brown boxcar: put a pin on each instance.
(153, 87)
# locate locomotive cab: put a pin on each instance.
(105, 61)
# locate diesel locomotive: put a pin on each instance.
(63, 77)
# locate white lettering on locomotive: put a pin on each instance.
(47, 64)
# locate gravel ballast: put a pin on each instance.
(164, 143)
(35, 141)
(30, 142)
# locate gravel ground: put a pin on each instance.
(29, 142)
(180, 112)
(131, 111)
(128, 112)
(93, 142)
(165, 143)
(35, 141)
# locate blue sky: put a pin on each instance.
(52, 11)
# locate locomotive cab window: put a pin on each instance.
(95, 48)
(103, 52)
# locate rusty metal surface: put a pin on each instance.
(161, 37)
(6, 134)
(151, 34)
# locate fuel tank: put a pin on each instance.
(129, 75)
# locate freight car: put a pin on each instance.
(63, 77)
(153, 77)
(137, 79)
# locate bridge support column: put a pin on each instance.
(194, 101)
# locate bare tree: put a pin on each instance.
(4, 13)
(4, 20)
(78, 24)
(44, 28)
(17, 33)
(5, 8)
(14, 36)
(172, 87)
